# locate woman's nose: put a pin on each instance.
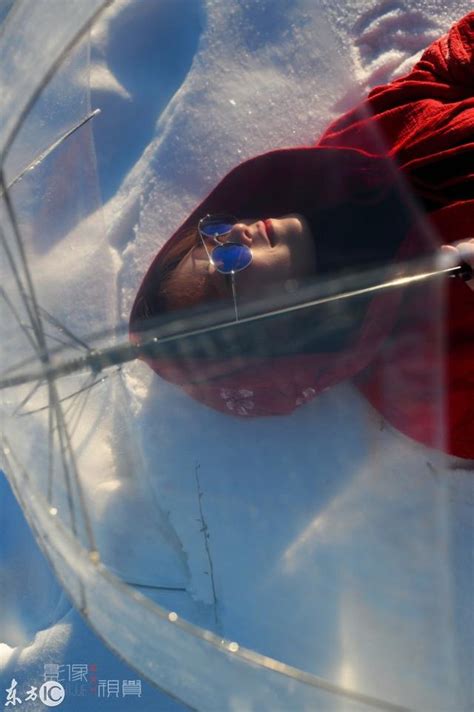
(240, 233)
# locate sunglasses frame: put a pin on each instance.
(223, 217)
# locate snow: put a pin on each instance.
(325, 540)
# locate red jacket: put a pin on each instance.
(418, 130)
(426, 120)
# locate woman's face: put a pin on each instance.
(282, 250)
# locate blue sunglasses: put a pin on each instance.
(227, 257)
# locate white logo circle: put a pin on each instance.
(52, 693)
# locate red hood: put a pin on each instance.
(317, 180)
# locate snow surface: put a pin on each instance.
(325, 540)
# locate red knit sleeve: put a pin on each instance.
(424, 120)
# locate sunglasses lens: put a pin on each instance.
(230, 257)
(216, 228)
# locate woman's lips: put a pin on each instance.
(269, 230)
